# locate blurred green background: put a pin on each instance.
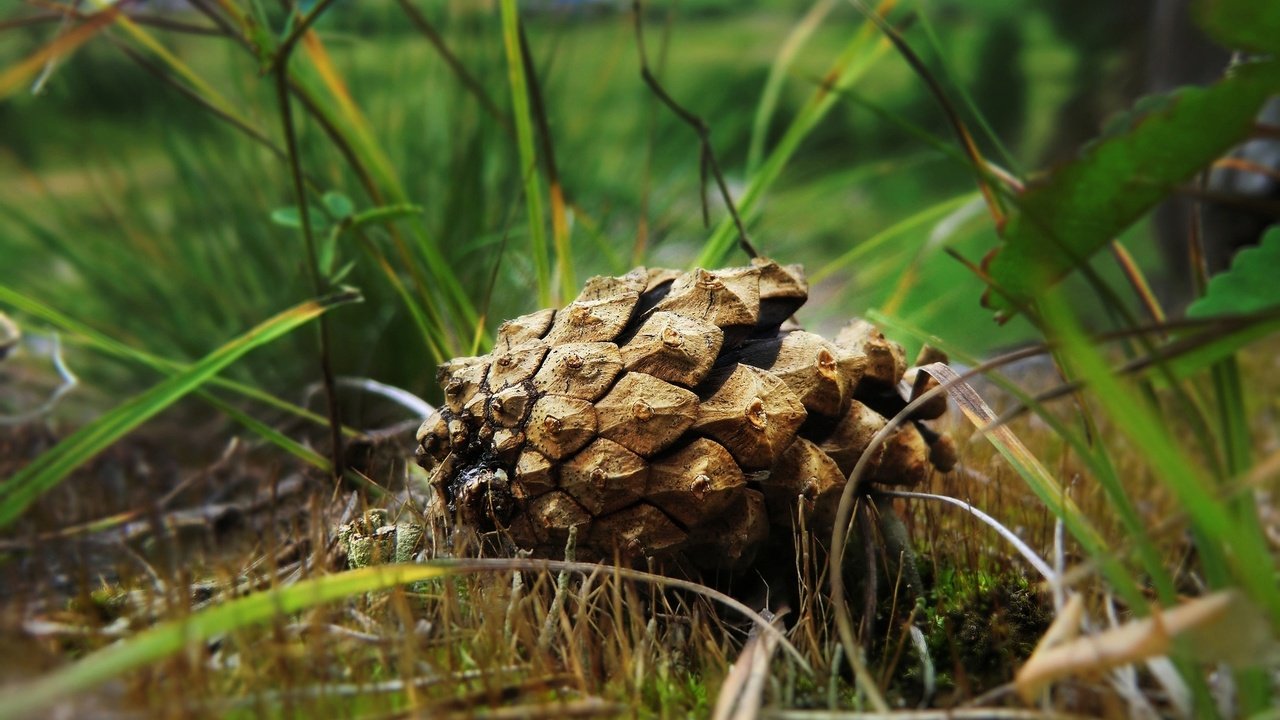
(127, 206)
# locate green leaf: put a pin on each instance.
(171, 637)
(1245, 298)
(1242, 24)
(46, 471)
(1249, 286)
(327, 252)
(1075, 210)
(339, 205)
(385, 213)
(342, 272)
(290, 217)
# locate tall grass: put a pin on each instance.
(464, 166)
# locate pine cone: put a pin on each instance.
(670, 415)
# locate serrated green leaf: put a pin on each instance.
(1079, 207)
(1242, 24)
(1249, 286)
(1245, 298)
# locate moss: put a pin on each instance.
(979, 626)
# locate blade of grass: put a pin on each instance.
(918, 219)
(795, 41)
(46, 471)
(275, 437)
(456, 66)
(1230, 544)
(966, 97)
(322, 89)
(181, 69)
(110, 346)
(555, 187)
(1095, 455)
(528, 154)
(18, 74)
(862, 51)
(978, 164)
(171, 637)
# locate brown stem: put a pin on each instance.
(707, 155)
(318, 283)
(459, 69)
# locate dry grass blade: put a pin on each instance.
(983, 417)
(585, 568)
(16, 75)
(1221, 626)
(584, 708)
(1035, 474)
(965, 713)
(741, 691)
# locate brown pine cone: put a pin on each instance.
(671, 415)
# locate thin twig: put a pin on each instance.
(285, 48)
(459, 70)
(707, 155)
(313, 268)
(199, 99)
(953, 116)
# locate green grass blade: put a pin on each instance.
(528, 156)
(46, 471)
(270, 434)
(442, 298)
(803, 30)
(945, 61)
(106, 344)
(171, 637)
(876, 242)
(1229, 545)
(859, 55)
